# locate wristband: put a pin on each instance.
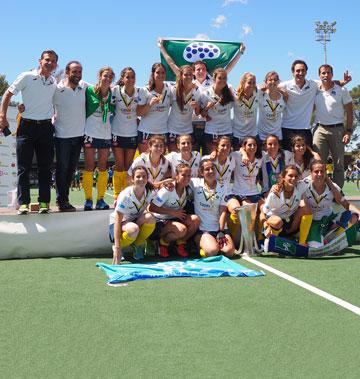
(349, 130)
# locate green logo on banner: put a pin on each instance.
(285, 245)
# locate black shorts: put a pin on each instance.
(124, 142)
(160, 223)
(96, 143)
(211, 232)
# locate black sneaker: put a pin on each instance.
(66, 207)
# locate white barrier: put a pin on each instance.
(54, 234)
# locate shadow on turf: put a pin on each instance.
(343, 255)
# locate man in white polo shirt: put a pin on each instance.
(299, 107)
(331, 101)
(35, 132)
(69, 102)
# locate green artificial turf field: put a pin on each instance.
(59, 319)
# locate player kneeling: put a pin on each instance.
(172, 221)
(210, 206)
(320, 197)
(283, 212)
(130, 224)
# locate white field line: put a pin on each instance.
(309, 287)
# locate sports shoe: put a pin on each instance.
(101, 205)
(138, 253)
(24, 209)
(164, 251)
(43, 207)
(182, 252)
(66, 207)
(88, 206)
(266, 245)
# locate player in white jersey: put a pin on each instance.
(244, 190)
(283, 210)
(246, 101)
(124, 127)
(320, 196)
(210, 206)
(273, 162)
(99, 105)
(172, 221)
(184, 101)
(153, 107)
(185, 155)
(224, 161)
(216, 104)
(301, 156)
(130, 224)
(157, 165)
(272, 102)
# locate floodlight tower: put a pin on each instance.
(323, 31)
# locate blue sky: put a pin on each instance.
(113, 33)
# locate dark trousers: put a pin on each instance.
(287, 134)
(67, 157)
(33, 137)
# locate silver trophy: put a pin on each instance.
(247, 217)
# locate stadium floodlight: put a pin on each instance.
(323, 31)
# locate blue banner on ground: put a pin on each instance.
(198, 268)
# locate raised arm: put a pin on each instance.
(169, 60)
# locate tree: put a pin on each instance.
(3, 85)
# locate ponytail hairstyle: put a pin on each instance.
(241, 88)
(307, 155)
(258, 153)
(148, 186)
(180, 90)
(289, 167)
(152, 79)
(123, 72)
(226, 95)
(97, 88)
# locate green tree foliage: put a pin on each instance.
(3, 84)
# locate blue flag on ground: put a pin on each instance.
(197, 268)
